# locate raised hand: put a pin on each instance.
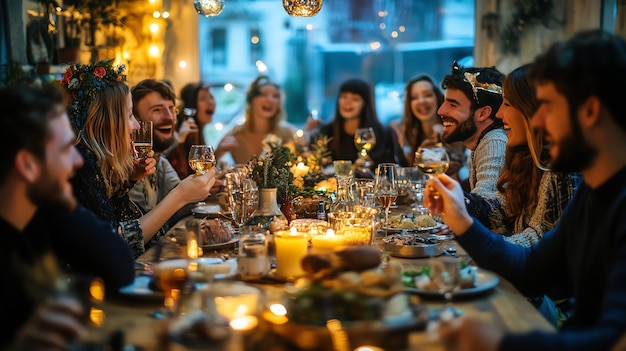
(144, 167)
(52, 326)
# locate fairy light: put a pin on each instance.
(156, 14)
(153, 51)
(182, 64)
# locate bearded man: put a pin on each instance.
(472, 98)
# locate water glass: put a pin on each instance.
(253, 261)
(342, 168)
(364, 191)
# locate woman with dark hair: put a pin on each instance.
(355, 109)
(190, 129)
(264, 116)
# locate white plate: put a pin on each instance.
(210, 210)
(140, 288)
(485, 281)
(420, 229)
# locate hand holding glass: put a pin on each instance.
(432, 160)
(201, 158)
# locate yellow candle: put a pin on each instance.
(291, 247)
(322, 244)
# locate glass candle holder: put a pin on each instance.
(356, 226)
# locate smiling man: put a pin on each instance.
(155, 101)
(472, 98)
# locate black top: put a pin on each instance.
(387, 148)
(76, 241)
(585, 255)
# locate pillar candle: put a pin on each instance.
(323, 244)
(291, 247)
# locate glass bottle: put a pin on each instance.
(345, 198)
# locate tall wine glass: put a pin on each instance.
(201, 159)
(386, 189)
(142, 140)
(364, 140)
(432, 160)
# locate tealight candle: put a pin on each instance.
(244, 323)
(323, 244)
(291, 247)
(301, 170)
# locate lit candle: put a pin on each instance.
(291, 247)
(301, 170)
(244, 323)
(322, 244)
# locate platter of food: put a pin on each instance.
(411, 223)
(474, 281)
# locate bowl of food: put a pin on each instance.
(413, 245)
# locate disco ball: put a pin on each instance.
(209, 8)
(302, 8)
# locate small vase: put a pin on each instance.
(268, 215)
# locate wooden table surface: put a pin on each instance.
(504, 305)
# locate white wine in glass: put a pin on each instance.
(201, 158)
(364, 140)
(432, 160)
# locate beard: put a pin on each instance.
(462, 132)
(160, 145)
(48, 193)
(575, 154)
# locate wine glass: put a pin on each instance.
(201, 158)
(172, 276)
(446, 275)
(416, 181)
(386, 189)
(432, 160)
(364, 140)
(142, 140)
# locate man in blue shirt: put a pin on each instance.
(580, 85)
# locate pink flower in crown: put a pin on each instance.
(100, 72)
(67, 77)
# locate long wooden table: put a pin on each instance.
(505, 306)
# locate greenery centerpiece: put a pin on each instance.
(271, 172)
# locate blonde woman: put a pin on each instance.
(264, 116)
(100, 108)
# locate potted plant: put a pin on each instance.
(272, 175)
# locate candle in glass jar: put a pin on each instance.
(291, 247)
(323, 244)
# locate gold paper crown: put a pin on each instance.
(489, 87)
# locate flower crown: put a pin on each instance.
(83, 82)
